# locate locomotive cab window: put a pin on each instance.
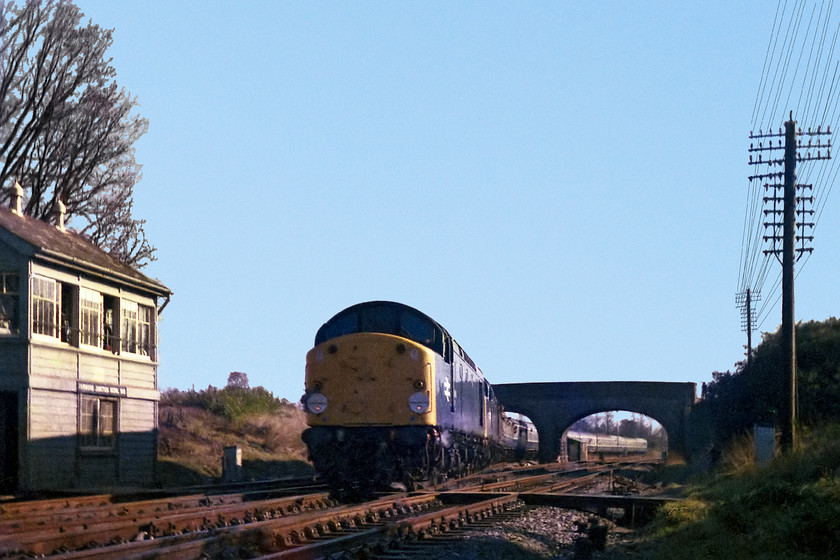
(386, 318)
(420, 330)
(339, 326)
(379, 319)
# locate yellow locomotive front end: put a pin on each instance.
(392, 399)
(370, 379)
(371, 399)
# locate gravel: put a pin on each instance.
(540, 533)
(547, 533)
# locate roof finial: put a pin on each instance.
(62, 209)
(17, 197)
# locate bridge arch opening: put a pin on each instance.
(611, 436)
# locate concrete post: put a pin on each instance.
(232, 464)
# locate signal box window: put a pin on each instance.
(136, 328)
(9, 301)
(98, 423)
(91, 327)
(111, 310)
(46, 301)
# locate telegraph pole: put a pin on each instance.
(749, 327)
(744, 301)
(785, 231)
(787, 410)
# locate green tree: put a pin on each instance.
(753, 393)
(67, 130)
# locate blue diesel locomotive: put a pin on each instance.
(391, 398)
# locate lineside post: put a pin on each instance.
(788, 341)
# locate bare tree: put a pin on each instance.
(66, 129)
(238, 379)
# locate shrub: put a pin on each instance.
(233, 402)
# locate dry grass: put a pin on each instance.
(192, 441)
(739, 455)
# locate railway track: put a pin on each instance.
(257, 524)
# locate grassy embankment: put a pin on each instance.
(195, 427)
(785, 510)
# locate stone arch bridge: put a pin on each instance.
(553, 407)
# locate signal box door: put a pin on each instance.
(8, 441)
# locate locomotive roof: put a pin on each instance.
(320, 336)
(328, 330)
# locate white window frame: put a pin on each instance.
(97, 428)
(46, 307)
(91, 304)
(137, 328)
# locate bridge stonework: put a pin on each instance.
(553, 407)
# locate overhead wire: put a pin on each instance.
(799, 62)
(803, 89)
(787, 45)
(767, 57)
(811, 116)
(817, 76)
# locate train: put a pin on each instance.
(610, 444)
(392, 399)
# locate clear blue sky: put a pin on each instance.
(562, 185)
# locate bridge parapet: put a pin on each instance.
(553, 407)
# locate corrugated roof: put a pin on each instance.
(72, 249)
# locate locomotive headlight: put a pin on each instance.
(316, 403)
(419, 402)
